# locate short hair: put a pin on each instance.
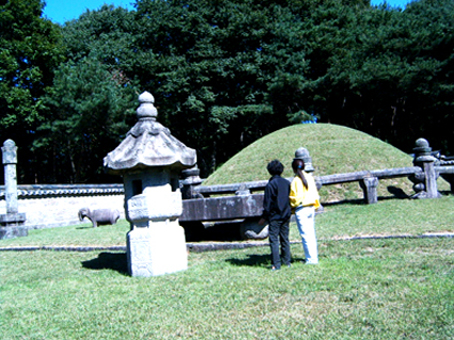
(275, 167)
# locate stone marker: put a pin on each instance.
(11, 222)
(150, 160)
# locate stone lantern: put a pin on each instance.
(150, 160)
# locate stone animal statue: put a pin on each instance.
(99, 216)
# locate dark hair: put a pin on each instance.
(298, 167)
(275, 167)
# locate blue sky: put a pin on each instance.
(60, 11)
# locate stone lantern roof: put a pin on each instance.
(149, 144)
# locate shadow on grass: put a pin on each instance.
(259, 261)
(397, 193)
(112, 261)
(252, 261)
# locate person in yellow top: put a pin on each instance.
(304, 200)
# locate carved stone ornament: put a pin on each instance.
(149, 144)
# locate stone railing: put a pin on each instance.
(368, 181)
(58, 205)
(247, 203)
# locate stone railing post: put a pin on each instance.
(12, 220)
(369, 186)
(191, 178)
(425, 187)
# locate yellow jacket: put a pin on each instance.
(299, 195)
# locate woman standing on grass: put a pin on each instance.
(304, 200)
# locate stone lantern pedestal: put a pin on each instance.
(150, 160)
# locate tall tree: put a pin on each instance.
(30, 50)
(224, 73)
(219, 67)
(91, 104)
(91, 108)
(387, 72)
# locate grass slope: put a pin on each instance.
(333, 148)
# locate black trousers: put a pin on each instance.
(278, 232)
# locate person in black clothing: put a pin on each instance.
(277, 212)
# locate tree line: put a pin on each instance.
(223, 74)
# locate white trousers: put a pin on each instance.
(305, 220)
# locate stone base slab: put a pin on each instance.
(157, 249)
(13, 232)
(12, 218)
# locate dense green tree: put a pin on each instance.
(217, 69)
(91, 108)
(92, 102)
(386, 71)
(30, 49)
(224, 73)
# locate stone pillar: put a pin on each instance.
(11, 221)
(191, 178)
(150, 160)
(425, 187)
(369, 186)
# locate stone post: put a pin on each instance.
(369, 186)
(191, 178)
(11, 221)
(425, 187)
(150, 160)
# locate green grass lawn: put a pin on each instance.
(362, 289)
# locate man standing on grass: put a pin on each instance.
(277, 212)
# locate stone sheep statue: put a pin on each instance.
(99, 216)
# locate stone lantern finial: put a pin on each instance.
(146, 108)
(149, 144)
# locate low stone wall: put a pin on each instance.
(49, 206)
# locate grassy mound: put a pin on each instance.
(333, 148)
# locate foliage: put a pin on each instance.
(91, 105)
(386, 72)
(217, 68)
(30, 50)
